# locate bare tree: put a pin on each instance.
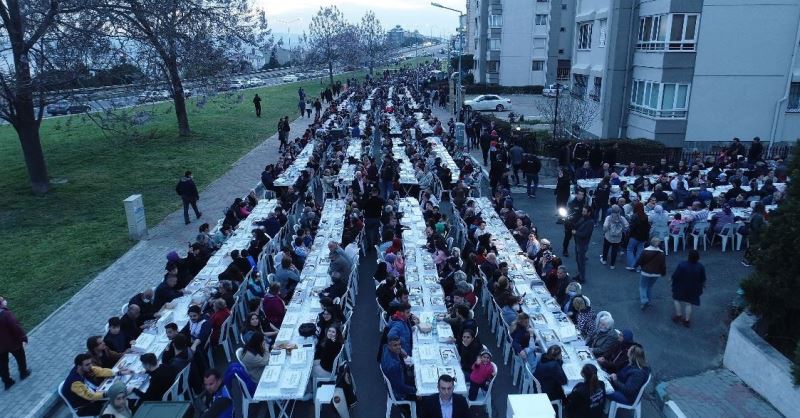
(575, 115)
(25, 26)
(373, 39)
(183, 34)
(325, 33)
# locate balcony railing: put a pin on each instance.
(656, 113)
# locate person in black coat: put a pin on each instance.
(550, 374)
(755, 151)
(187, 190)
(432, 405)
(161, 378)
(688, 282)
(588, 397)
(562, 190)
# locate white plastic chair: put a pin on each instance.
(247, 398)
(680, 235)
(392, 401)
(485, 398)
(637, 404)
(172, 393)
(699, 231)
(124, 309)
(533, 386)
(240, 355)
(381, 317)
(66, 401)
(728, 232)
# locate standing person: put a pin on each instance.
(12, 341)
(301, 105)
(445, 404)
(755, 151)
(550, 373)
(639, 234)
(688, 281)
(562, 189)
(317, 107)
(515, 154)
(187, 190)
(301, 94)
(583, 235)
(257, 104)
(485, 143)
(531, 165)
(281, 137)
(614, 227)
(654, 265)
(286, 129)
(308, 109)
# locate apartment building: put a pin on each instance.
(520, 42)
(689, 70)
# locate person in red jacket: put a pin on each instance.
(12, 341)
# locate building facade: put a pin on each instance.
(689, 70)
(396, 35)
(520, 42)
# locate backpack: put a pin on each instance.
(615, 230)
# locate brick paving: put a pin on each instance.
(716, 393)
(55, 341)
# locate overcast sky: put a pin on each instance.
(294, 15)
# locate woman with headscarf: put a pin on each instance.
(659, 219)
(389, 261)
(117, 406)
(614, 228)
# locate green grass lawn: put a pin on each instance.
(52, 246)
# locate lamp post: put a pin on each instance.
(555, 113)
(460, 52)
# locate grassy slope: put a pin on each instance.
(51, 246)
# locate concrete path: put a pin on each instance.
(716, 393)
(55, 342)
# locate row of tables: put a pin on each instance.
(286, 377)
(440, 151)
(290, 176)
(347, 172)
(550, 324)
(407, 174)
(154, 339)
(434, 352)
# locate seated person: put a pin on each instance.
(604, 339)
(102, 356)
(255, 356)
(550, 373)
(393, 367)
(328, 348)
(629, 381)
(80, 386)
(161, 378)
(273, 306)
(216, 401)
(114, 338)
(117, 405)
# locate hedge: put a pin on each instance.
(495, 89)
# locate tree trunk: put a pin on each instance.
(330, 71)
(25, 122)
(28, 131)
(178, 98)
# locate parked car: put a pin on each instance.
(186, 94)
(488, 102)
(65, 107)
(550, 91)
(236, 84)
(154, 96)
(291, 78)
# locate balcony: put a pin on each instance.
(658, 114)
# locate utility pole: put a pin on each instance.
(555, 113)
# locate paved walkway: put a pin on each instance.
(55, 342)
(716, 393)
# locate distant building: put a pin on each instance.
(396, 35)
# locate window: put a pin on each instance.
(493, 67)
(598, 84)
(537, 65)
(585, 36)
(563, 29)
(541, 20)
(660, 100)
(794, 98)
(540, 43)
(563, 7)
(579, 85)
(601, 41)
(563, 69)
(494, 44)
(560, 51)
(495, 21)
(542, 1)
(670, 32)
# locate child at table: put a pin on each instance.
(676, 224)
(483, 372)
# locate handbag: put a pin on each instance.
(307, 330)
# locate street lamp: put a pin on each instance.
(460, 50)
(558, 87)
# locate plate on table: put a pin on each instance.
(552, 305)
(429, 374)
(548, 336)
(450, 371)
(448, 354)
(584, 355)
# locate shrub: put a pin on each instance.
(494, 89)
(771, 290)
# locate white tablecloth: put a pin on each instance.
(290, 175)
